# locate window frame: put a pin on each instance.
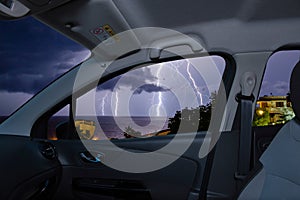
(40, 126)
(287, 47)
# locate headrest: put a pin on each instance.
(295, 90)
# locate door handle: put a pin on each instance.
(90, 158)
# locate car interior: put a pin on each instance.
(214, 60)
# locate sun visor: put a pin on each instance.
(13, 8)
(157, 41)
(100, 26)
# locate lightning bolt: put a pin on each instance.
(103, 104)
(194, 83)
(159, 93)
(159, 103)
(117, 103)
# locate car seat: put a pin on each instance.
(279, 177)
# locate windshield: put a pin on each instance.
(32, 55)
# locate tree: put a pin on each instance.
(192, 119)
(261, 117)
(174, 122)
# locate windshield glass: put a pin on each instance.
(32, 55)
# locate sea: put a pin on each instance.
(113, 127)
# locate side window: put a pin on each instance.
(152, 100)
(273, 106)
(58, 122)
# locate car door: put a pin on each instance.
(273, 107)
(29, 168)
(142, 134)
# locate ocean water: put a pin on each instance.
(114, 127)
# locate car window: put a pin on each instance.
(273, 105)
(57, 122)
(32, 56)
(152, 100)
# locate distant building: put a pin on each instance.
(279, 108)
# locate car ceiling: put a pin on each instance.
(233, 26)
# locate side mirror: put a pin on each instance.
(84, 129)
(62, 130)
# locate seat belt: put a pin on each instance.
(206, 175)
(245, 99)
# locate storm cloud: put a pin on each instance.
(150, 88)
(10, 101)
(137, 80)
(276, 88)
(33, 55)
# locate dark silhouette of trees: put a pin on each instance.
(192, 119)
(174, 122)
(184, 121)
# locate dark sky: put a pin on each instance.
(157, 90)
(32, 55)
(278, 71)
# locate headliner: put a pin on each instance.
(233, 26)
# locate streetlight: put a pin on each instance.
(260, 112)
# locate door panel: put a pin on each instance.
(87, 180)
(222, 184)
(139, 111)
(263, 136)
(27, 171)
